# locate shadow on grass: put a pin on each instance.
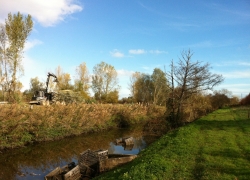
(237, 155)
(223, 125)
(199, 168)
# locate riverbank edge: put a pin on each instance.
(200, 150)
(21, 126)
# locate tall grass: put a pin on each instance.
(21, 125)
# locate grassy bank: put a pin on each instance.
(216, 146)
(20, 125)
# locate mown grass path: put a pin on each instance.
(216, 146)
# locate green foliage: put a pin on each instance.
(213, 147)
(160, 87)
(104, 81)
(111, 97)
(147, 88)
(18, 29)
(35, 85)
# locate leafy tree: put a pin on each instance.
(104, 80)
(197, 105)
(219, 100)
(245, 100)
(141, 87)
(191, 78)
(160, 87)
(234, 100)
(147, 88)
(132, 85)
(18, 29)
(126, 100)
(82, 80)
(63, 80)
(35, 85)
(111, 97)
(4, 62)
(144, 87)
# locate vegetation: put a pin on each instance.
(187, 79)
(20, 125)
(147, 88)
(213, 147)
(82, 80)
(245, 100)
(104, 83)
(13, 37)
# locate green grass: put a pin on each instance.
(216, 146)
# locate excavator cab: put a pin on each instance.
(43, 97)
(38, 98)
(38, 95)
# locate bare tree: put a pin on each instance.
(191, 78)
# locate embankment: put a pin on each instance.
(20, 125)
(213, 147)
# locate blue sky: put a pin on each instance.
(136, 35)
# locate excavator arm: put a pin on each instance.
(48, 78)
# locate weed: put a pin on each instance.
(20, 125)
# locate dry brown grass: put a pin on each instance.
(20, 125)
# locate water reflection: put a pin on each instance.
(35, 161)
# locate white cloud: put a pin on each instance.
(46, 12)
(157, 52)
(236, 89)
(244, 63)
(116, 53)
(123, 72)
(31, 44)
(137, 51)
(237, 74)
(142, 51)
(232, 63)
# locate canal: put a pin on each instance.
(35, 161)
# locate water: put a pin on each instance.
(35, 161)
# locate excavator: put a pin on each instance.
(43, 97)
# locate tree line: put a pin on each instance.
(183, 87)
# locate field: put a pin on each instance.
(20, 125)
(216, 146)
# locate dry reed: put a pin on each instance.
(21, 125)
